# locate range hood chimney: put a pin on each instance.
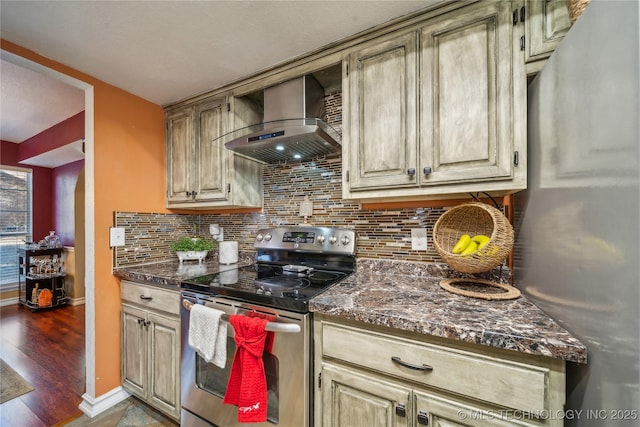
(292, 128)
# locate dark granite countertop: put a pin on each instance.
(417, 303)
(170, 273)
(407, 296)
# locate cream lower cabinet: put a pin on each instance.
(151, 346)
(352, 399)
(200, 172)
(438, 109)
(368, 377)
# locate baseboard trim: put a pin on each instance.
(12, 301)
(9, 301)
(76, 301)
(93, 406)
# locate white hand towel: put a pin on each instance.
(208, 334)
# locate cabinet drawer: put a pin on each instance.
(151, 297)
(491, 379)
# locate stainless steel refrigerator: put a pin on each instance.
(577, 251)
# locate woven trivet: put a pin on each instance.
(510, 291)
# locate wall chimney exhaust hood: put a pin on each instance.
(292, 128)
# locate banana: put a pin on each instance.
(488, 253)
(471, 248)
(462, 244)
(481, 240)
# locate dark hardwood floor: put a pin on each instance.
(47, 349)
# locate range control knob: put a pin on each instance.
(259, 237)
(345, 240)
(333, 240)
(321, 238)
(267, 237)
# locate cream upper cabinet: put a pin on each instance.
(201, 173)
(546, 23)
(382, 113)
(439, 111)
(179, 155)
(210, 124)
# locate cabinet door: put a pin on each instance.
(381, 114)
(546, 24)
(179, 155)
(438, 411)
(134, 351)
(467, 96)
(164, 363)
(211, 162)
(350, 399)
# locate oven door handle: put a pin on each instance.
(289, 328)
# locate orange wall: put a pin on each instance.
(129, 176)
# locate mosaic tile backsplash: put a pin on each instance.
(381, 234)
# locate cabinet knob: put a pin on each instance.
(401, 410)
(411, 171)
(188, 193)
(426, 170)
(423, 418)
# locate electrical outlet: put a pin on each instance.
(419, 239)
(116, 236)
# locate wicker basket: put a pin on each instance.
(575, 8)
(473, 218)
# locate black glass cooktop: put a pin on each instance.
(285, 286)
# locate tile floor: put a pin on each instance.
(130, 412)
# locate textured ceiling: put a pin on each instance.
(164, 51)
(31, 102)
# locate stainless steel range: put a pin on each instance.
(293, 264)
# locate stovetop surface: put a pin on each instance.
(268, 284)
(293, 264)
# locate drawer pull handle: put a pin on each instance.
(401, 362)
(146, 298)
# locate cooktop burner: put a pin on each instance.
(293, 264)
(279, 283)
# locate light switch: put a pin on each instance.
(419, 239)
(116, 236)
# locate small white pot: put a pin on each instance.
(191, 255)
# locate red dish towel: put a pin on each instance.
(271, 336)
(247, 386)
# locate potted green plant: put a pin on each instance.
(188, 248)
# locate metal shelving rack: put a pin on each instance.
(41, 269)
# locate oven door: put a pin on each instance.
(287, 369)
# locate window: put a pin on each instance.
(15, 219)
